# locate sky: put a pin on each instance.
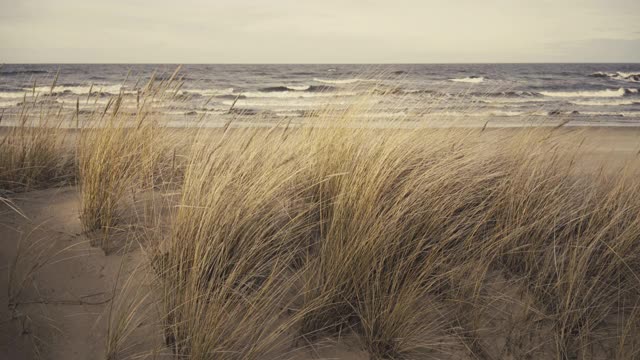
(327, 31)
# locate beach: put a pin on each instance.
(335, 180)
(71, 295)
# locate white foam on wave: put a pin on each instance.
(591, 94)
(14, 95)
(627, 75)
(9, 99)
(81, 90)
(299, 87)
(472, 80)
(295, 94)
(507, 101)
(604, 102)
(619, 75)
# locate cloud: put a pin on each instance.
(369, 31)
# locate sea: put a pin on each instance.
(444, 94)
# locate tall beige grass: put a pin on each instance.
(397, 237)
(418, 242)
(231, 248)
(34, 150)
(121, 152)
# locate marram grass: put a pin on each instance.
(409, 243)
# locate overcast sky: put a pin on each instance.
(323, 31)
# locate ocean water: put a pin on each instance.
(582, 94)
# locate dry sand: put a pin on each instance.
(57, 304)
(62, 308)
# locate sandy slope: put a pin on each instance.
(62, 310)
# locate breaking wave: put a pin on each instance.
(627, 114)
(294, 94)
(607, 93)
(619, 75)
(14, 95)
(309, 88)
(79, 90)
(470, 79)
(613, 102)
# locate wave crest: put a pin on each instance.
(309, 88)
(618, 75)
(607, 93)
(470, 79)
(294, 94)
(80, 89)
(613, 102)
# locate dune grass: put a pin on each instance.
(124, 150)
(397, 237)
(111, 163)
(418, 243)
(34, 151)
(231, 247)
